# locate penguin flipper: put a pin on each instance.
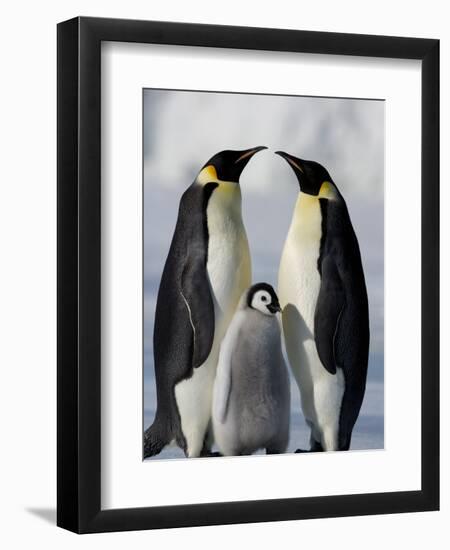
(222, 396)
(330, 306)
(222, 384)
(196, 294)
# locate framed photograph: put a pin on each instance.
(248, 275)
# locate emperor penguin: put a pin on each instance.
(325, 308)
(251, 399)
(207, 269)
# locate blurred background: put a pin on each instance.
(183, 129)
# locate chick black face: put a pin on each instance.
(263, 298)
(310, 174)
(230, 164)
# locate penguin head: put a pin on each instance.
(227, 165)
(312, 177)
(262, 297)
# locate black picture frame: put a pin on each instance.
(79, 275)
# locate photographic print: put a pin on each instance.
(228, 252)
(263, 221)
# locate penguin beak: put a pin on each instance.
(274, 308)
(295, 162)
(297, 166)
(230, 163)
(248, 153)
(239, 162)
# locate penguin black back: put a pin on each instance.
(342, 311)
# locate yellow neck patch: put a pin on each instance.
(227, 192)
(209, 173)
(327, 191)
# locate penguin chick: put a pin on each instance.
(251, 397)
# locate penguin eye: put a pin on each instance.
(263, 299)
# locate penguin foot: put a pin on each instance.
(210, 454)
(302, 451)
(154, 440)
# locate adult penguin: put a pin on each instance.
(325, 317)
(207, 269)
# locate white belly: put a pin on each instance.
(229, 272)
(298, 288)
(194, 401)
(229, 265)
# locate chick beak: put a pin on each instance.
(274, 308)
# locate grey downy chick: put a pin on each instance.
(251, 396)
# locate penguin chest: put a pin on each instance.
(299, 286)
(228, 266)
(299, 277)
